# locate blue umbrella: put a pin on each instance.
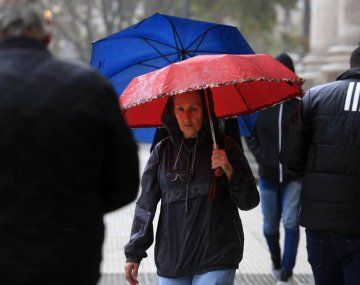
(246, 124)
(156, 42)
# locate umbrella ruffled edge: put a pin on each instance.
(291, 96)
(298, 82)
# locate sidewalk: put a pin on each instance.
(253, 270)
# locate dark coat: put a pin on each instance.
(325, 143)
(66, 159)
(194, 235)
(265, 142)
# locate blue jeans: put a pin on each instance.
(219, 277)
(279, 200)
(334, 258)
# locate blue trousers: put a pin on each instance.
(219, 277)
(334, 258)
(280, 201)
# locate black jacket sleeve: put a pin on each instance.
(242, 186)
(142, 235)
(120, 172)
(296, 140)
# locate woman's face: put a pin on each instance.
(188, 113)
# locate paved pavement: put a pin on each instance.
(253, 270)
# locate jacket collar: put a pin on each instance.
(22, 42)
(353, 73)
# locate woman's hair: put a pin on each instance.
(21, 17)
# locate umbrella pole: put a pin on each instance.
(207, 94)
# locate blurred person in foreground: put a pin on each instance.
(67, 157)
(324, 143)
(199, 237)
(279, 188)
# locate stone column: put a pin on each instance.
(349, 22)
(323, 30)
(347, 38)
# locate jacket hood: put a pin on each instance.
(286, 60)
(353, 73)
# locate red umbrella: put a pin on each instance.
(239, 84)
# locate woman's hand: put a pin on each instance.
(131, 272)
(219, 160)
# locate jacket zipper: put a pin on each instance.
(280, 134)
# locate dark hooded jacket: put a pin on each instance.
(194, 235)
(265, 142)
(324, 142)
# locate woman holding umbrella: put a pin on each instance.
(199, 237)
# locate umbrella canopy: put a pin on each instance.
(158, 41)
(240, 84)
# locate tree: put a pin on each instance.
(256, 19)
(80, 22)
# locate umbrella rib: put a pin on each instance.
(157, 50)
(193, 52)
(138, 24)
(151, 40)
(207, 52)
(237, 89)
(138, 37)
(198, 46)
(149, 65)
(176, 36)
(182, 48)
(203, 34)
(156, 57)
(142, 63)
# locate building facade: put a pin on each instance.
(334, 34)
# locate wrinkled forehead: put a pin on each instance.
(189, 98)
